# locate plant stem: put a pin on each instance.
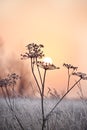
(42, 101)
(68, 80)
(39, 72)
(10, 107)
(61, 99)
(32, 68)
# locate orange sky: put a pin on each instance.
(58, 24)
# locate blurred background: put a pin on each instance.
(61, 26)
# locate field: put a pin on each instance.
(69, 115)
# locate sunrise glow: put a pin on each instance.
(47, 60)
(43, 66)
(61, 26)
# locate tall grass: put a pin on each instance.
(69, 115)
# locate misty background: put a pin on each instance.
(61, 26)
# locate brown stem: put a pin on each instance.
(68, 80)
(39, 72)
(42, 101)
(32, 68)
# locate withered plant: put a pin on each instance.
(7, 84)
(70, 69)
(35, 53)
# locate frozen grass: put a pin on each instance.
(69, 115)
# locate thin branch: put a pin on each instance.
(39, 72)
(10, 107)
(80, 89)
(42, 100)
(32, 68)
(43, 85)
(68, 80)
(5, 97)
(8, 96)
(62, 98)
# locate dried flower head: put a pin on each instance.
(46, 66)
(81, 75)
(13, 78)
(69, 66)
(9, 80)
(34, 51)
(4, 82)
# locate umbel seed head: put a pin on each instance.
(34, 51)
